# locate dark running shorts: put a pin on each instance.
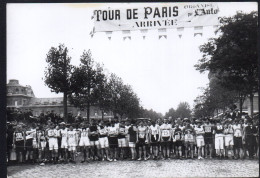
(165, 141)
(237, 142)
(19, 146)
(141, 142)
(178, 143)
(29, 144)
(208, 140)
(113, 142)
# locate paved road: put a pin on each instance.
(150, 168)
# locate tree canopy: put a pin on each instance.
(232, 57)
(58, 72)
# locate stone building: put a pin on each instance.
(22, 97)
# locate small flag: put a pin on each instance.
(180, 31)
(162, 33)
(109, 34)
(198, 30)
(126, 35)
(144, 32)
(164, 36)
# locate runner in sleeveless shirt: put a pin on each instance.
(147, 143)
(78, 131)
(177, 135)
(208, 138)
(128, 151)
(154, 134)
(103, 140)
(141, 139)
(53, 143)
(219, 139)
(19, 143)
(93, 137)
(84, 142)
(132, 139)
(200, 140)
(228, 139)
(35, 144)
(72, 138)
(113, 141)
(122, 140)
(30, 132)
(182, 126)
(64, 142)
(58, 134)
(189, 140)
(41, 145)
(237, 139)
(165, 134)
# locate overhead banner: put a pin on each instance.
(155, 16)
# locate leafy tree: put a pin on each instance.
(232, 57)
(58, 72)
(214, 98)
(183, 110)
(84, 80)
(116, 86)
(153, 115)
(124, 101)
(102, 92)
(171, 113)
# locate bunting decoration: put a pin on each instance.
(162, 33)
(198, 30)
(126, 34)
(109, 35)
(144, 32)
(180, 31)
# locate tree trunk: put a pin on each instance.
(240, 105)
(251, 98)
(65, 106)
(88, 109)
(102, 112)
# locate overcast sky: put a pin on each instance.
(161, 71)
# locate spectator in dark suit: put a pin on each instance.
(250, 137)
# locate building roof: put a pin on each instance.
(46, 101)
(15, 83)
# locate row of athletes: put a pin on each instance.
(102, 141)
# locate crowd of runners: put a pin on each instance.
(162, 139)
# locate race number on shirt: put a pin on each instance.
(51, 133)
(189, 136)
(102, 131)
(84, 134)
(154, 132)
(165, 133)
(207, 129)
(141, 134)
(112, 132)
(18, 136)
(122, 130)
(177, 137)
(71, 135)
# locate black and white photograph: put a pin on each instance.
(132, 89)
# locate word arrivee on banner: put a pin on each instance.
(150, 16)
